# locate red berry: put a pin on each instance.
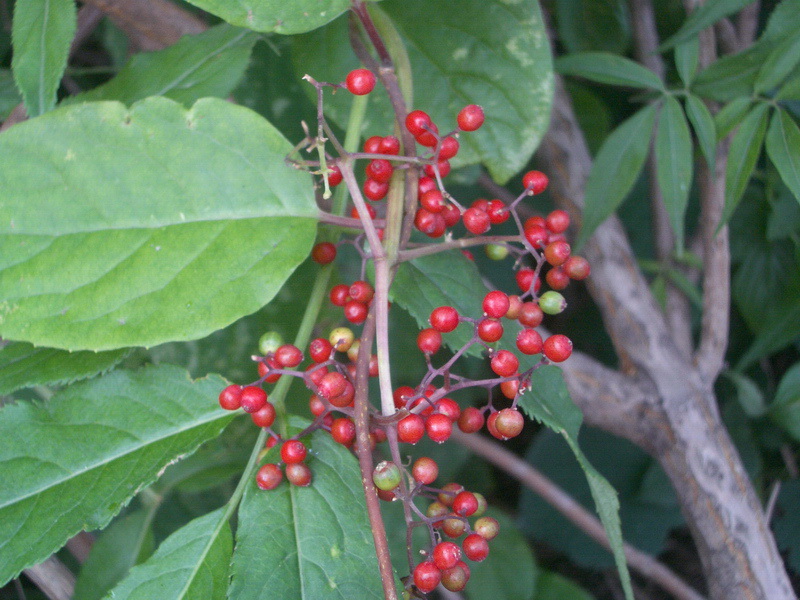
(417, 121)
(271, 441)
(265, 416)
(339, 294)
(527, 278)
(355, 312)
(343, 431)
(557, 221)
(331, 385)
(509, 423)
(335, 177)
(253, 398)
(375, 190)
(439, 428)
(425, 184)
(471, 420)
(476, 221)
(448, 149)
(269, 477)
(433, 201)
(449, 408)
(323, 253)
(536, 236)
(361, 291)
(231, 397)
(380, 170)
(557, 253)
(535, 182)
(390, 145)
(510, 388)
(429, 341)
(557, 347)
(429, 137)
(529, 341)
(534, 221)
(470, 118)
(451, 215)
(360, 82)
(449, 492)
(577, 268)
(530, 315)
(495, 304)
(427, 576)
(316, 405)
(443, 166)
(444, 319)
(504, 363)
(298, 474)
(370, 212)
(498, 212)
(429, 223)
(410, 429)
(288, 356)
(293, 451)
(346, 397)
(556, 278)
(425, 470)
(465, 504)
(476, 548)
(446, 555)
(514, 307)
(401, 396)
(320, 350)
(373, 145)
(490, 330)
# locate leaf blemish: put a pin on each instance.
(336, 552)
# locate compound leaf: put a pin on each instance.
(783, 148)
(744, 152)
(612, 69)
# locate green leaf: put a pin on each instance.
(783, 149)
(552, 586)
(125, 543)
(494, 54)
(780, 62)
(748, 393)
(730, 116)
(785, 409)
(680, 281)
(686, 59)
(22, 365)
(42, 31)
(191, 564)
(616, 169)
(9, 96)
(780, 332)
(97, 444)
(279, 16)
(791, 89)
(742, 157)
(786, 522)
(605, 67)
(705, 15)
(674, 164)
(170, 223)
(311, 542)
(586, 25)
(208, 64)
(732, 76)
(704, 128)
(548, 402)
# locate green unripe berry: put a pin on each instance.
(552, 303)
(386, 476)
(496, 251)
(269, 342)
(342, 338)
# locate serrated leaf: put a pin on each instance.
(191, 564)
(207, 64)
(615, 170)
(704, 128)
(605, 67)
(42, 31)
(586, 25)
(310, 542)
(22, 365)
(742, 157)
(488, 53)
(96, 444)
(780, 62)
(9, 95)
(785, 409)
(674, 156)
(783, 149)
(548, 401)
(705, 15)
(730, 116)
(126, 542)
(732, 77)
(686, 59)
(169, 224)
(276, 16)
(553, 586)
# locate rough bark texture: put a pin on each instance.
(661, 401)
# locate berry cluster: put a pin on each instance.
(431, 407)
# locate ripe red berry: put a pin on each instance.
(429, 137)
(449, 408)
(265, 416)
(269, 477)
(331, 385)
(361, 291)
(355, 312)
(530, 315)
(380, 170)
(509, 422)
(429, 223)
(476, 221)
(451, 215)
(557, 253)
(514, 307)
(446, 555)
(410, 429)
(557, 221)
(417, 121)
(535, 182)
(504, 363)
(476, 548)
(316, 405)
(536, 235)
(323, 253)
(288, 356)
(346, 397)
(577, 268)
(372, 145)
(425, 184)
(429, 341)
(375, 190)
(498, 212)
(320, 350)
(343, 431)
(433, 201)
(360, 82)
(490, 330)
(471, 420)
(293, 451)
(465, 504)
(298, 474)
(231, 397)
(495, 304)
(439, 427)
(443, 166)
(390, 145)
(401, 395)
(510, 388)
(427, 576)
(556, 278)
(339, 294)
(529, 341)
(449, 148)
(449, 492)
(444, 319)
(425, 470)
(335, 177)
(253, 398)
(470, 118)
(527, 278)
(557, 347)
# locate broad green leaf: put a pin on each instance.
(97, 444)
(783, 19)
(732, 77)
(744, 152)
(780, 62)
(296, 16)
(686, 59)
(586, 25)
(791, 89)
(730, 116)
(125, 543)
(494, 54)
(785, 409)
(22, 365)
(780, 332)
(704, 128)
(783, 149)
(616, 168)
(191, 564)
(674, 164)
(748, 393)
(703, 16)
(786, 522)
(9, 95)
(553, 586)
(548, 402)
(170, 224)
(605, 67)
(311, 542)
(207, 64)
(42, 31)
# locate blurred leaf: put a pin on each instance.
(748, 393)
(784, 216)
(780, 62)
(742, 157)
(143, 256)
(786, 522)
(732, 77)
(9, 96)
(686, 59)
(673, 147)
(42, 31)
(704, 15)
(704, 128)
(586, 25)
(785, 409)
(615, 170)
(97, 444)
(779, 333)
(309, 542)
(680, 281)
(593, 115)
(552, 586)
(791, 89)
(783, 149)
(22, 365)
(730, 116)
(783, 19)
(125, 543)
(488, 53)
(191, 564)
(605, 67)
(207, 64)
